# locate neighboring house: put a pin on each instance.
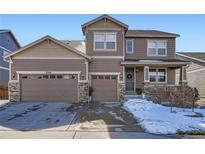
(112, 61)
(8, 43)
(196, 70)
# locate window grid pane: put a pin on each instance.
(152, 75)
(110, 45)
(99, 45)
(152, 51)
(99, 37)
(161, 75)
(110, 38)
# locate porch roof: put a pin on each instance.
(155, 62)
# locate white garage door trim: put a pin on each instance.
(50, 72)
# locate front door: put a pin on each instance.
(129, 79)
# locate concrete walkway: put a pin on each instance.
(78, 135)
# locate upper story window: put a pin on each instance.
(157, 48)
(129, 46)
(105, 41)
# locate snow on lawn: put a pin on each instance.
(158, 119)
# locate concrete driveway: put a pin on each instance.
(66, 120)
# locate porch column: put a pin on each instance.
(146, 75)
(183, 75)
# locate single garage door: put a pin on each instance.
(54, 87)
(104, 88)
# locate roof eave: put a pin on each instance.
(42, 39)
(12, 35)
(155, 63)
(101, 17)
(152, 36)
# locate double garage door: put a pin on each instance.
(53, 87)
(104, 87)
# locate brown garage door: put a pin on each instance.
(104, 88)
(61, 87)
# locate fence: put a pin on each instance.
(3, 92)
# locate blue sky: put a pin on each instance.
(28, 28)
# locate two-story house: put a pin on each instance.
(8, 43)
(111, 62)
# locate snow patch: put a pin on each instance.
(158, 119)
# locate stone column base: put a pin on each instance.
(83, 92)
(14, 91)
(121, 91)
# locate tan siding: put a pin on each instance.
(105, 65)
(171, 76)
(197, 79)
(48, 65)
(45, 49)
(104, 24)
(139, 77)
(90, 41)
(140, 49)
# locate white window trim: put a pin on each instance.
(104, 33)
(127, 52)
(158, 76)
(157, 55)
(146, 67)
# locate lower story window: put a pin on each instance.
(157, 75)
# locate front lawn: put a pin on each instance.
(158, 119)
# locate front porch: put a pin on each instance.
(139, 74)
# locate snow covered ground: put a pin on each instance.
(158, 119)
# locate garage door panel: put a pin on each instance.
(49, 89)
(104, 88)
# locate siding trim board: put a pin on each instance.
(47, 58)
(4, 68)
(5, 49)
(197, 70)
(107, 57)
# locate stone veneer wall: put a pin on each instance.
(83, 92)
(121, 91)
(14, 91)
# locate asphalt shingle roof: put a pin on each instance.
(149, 33)
(197, 55)
(77, 44)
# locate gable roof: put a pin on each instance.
(12, 35)
(77, 44)
(198, 56)
(102, 17)
(47, 37)
(149, 33)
